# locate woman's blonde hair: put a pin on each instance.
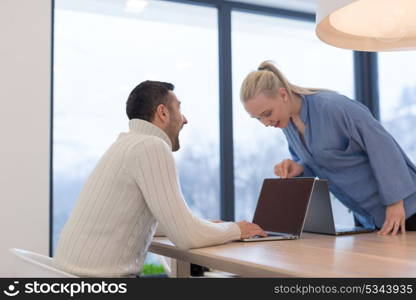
(268, 79)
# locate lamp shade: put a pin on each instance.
(367, 25)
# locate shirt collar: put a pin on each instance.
(304, 109)
(147, 128)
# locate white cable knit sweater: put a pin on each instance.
(133, 187)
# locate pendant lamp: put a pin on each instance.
(367, 25)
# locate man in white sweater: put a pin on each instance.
(133, 188)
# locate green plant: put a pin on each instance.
(151, 269)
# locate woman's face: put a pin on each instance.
(270, 110)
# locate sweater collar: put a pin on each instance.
(147, 128)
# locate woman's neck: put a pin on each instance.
(296, 106)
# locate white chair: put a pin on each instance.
(168, 265)
(30, 264)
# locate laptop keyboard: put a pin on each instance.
(346, 229)
(268, 235)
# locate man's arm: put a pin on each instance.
(155, 172)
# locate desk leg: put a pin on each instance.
(181, 269)
(175, 268)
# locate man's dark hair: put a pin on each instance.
(145, 98)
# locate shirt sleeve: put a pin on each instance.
(307, 172)
(155, 173)
(386, 158)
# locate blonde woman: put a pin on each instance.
(333, 137)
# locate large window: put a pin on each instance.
(103, 49)
(397, 75)
(293, 46)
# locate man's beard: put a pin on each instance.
(175, 143)
(174, 138)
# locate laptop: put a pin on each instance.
(320, 218)
(281, 208)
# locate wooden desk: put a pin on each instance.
(314, 255)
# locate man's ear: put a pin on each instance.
(162, 113)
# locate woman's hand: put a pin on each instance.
(288, 168)
(395, 219)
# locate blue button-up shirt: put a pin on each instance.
(366, 168)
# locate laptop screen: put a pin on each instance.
(282, 204)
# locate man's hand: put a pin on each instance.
(288, 168)
(249, 230)
(395, 219)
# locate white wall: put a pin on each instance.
(25, 87)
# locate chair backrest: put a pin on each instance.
(168, 265)
(30, 264)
